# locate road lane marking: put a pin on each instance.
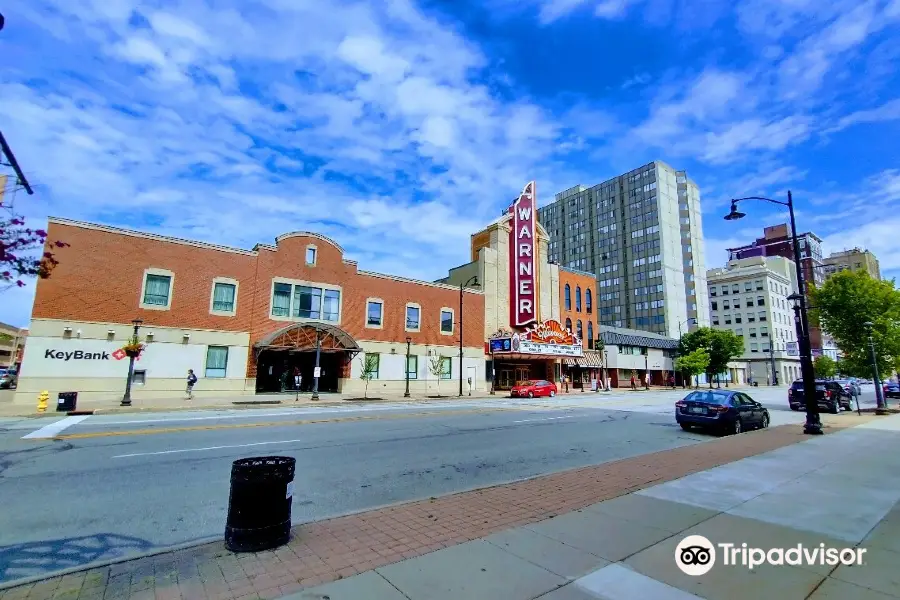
(77, 436)
(546, 419)
(53, 429)
(208, 448)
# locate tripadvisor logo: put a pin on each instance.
(695, 555)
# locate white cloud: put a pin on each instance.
(890, 111)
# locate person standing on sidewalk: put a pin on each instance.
(191, 380)
(647, 381)
(633, 382)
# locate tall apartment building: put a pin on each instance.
(641, 234)
(852, 260)
(776, 241)
(749, 297)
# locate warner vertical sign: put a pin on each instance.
(523, 266)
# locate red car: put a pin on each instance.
(534, 389)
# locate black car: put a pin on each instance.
(722, 410)
(829, 396)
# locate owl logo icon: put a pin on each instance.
(515, 343)
(695, 555)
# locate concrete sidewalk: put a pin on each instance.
(377, 543)
(840, 491)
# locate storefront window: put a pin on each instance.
(216, 361)
(446, 367)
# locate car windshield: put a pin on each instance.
(527, 383)
(708, 397)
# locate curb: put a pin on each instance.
(98, 564)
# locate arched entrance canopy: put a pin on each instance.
(302, 337)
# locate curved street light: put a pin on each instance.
(813, 425)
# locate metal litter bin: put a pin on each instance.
(66, 401)
(259, 505)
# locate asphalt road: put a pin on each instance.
(82, 489)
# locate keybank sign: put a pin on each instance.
(80, 355)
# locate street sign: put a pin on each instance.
(792, 348)
(317, 371)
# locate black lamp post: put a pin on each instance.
(472, 280)
(774, 368)
(813, 425)
(126, 399)
(408, 342)
(879, 391)
(317, 371)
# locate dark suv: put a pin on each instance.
(829, 396)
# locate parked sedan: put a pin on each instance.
(8, 379)
(891, 389)
(722, 410)
(534, 389)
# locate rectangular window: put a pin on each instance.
(216, 361)
(374, 313)
(375, 363)
(737, 318)
(735, 289)
(412, 317)
(715, 320)
(724, 290)
(281, 300)
(307, 302)
(764, 331)
(759, 284)
(446, 367)
(412, 366)
(223, 297)
(748, 287)
(754, 347)
(739, 331)
(749, 302)
(310, 255)
(753, 332)
(156, 290)
(726, 304)
(712, 291)
(728, 319)
(446, 321)
(760, 301)
(762, 315)
(331, 305)
(751, 318)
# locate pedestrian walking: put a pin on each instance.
(191, 381)
(672, 381)
(633, 382)
(298, 379)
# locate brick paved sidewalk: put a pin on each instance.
(341, 547)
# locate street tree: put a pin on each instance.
(693, 363)
(25, 252)
(844, 304)
(825, 367)
(369, 370)
(436, 368)
(721, 345)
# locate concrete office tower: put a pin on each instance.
(852, 260)
(749, 297)
(641, 233)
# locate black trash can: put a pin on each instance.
(259, 505)
(66, 401)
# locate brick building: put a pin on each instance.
(523, 335)
(578, 294)
(242, 319)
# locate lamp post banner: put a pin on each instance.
(523, 266)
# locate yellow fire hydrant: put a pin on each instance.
(43, 397)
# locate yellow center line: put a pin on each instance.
(81, 436)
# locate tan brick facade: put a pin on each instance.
(101, 274)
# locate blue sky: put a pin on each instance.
(399, 128)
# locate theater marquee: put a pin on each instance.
(548, 338)
(523, 266)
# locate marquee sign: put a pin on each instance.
(547, 338)
(522, 263)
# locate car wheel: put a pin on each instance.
(835, 408)
(552, 393)
(685, 426)
(765, 422)
(737, 428)
(531, 394)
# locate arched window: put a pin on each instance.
(578, 299)
(588, 301)
(568, 298)
(569, 323)
(579, 331)
(590, 343)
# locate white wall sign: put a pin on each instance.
(317, 371)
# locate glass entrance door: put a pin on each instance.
(505, 380)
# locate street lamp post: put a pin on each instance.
(813, 425)
(408, 342)
(317, 371)
(879, 391)
(126, 399)
(472, 280)
(774, 369)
